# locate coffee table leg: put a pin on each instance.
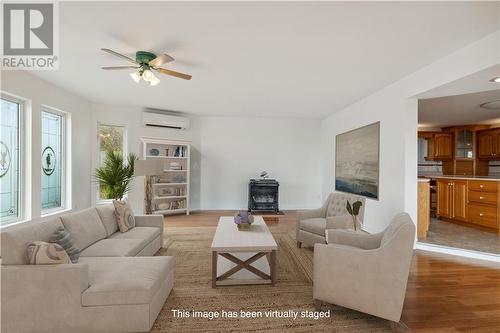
(214, 269)
(272, 265)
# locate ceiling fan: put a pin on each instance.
(144, 64)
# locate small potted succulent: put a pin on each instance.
(243, 220)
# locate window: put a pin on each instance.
(110, 137)
(10, 161)
(53, 161)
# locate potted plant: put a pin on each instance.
(114, 176)
(353, 210)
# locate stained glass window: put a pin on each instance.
(52, 162)
(10, 150)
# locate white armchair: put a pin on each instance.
(312, 224)
(367, 273)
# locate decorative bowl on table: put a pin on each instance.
(243, 220)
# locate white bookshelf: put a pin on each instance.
(168, 193)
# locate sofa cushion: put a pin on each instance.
(124, 215)
(108, 218)
(316, 226)
(15, 239)
(85, 226)
(127, 280)
(146, 233)
(114, 248)
(62, 237)
(43, 253)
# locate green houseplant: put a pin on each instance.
(353, 210)
(114, 176)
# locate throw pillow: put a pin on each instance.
(43, 253)
(124, 215)
(62, 237)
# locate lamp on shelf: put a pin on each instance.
(148, 169)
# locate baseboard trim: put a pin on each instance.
(457, 252)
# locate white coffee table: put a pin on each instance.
(246, 256)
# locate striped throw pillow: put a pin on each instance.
(43, 253)
(62, 237)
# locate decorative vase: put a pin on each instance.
(243, 220)
(243, 226)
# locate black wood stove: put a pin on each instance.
(263, 195)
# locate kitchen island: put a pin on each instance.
(469, 200)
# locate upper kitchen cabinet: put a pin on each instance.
(435, 146)
(443, 146)
(464, 143)
(489, 144)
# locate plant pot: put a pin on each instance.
(244, 226)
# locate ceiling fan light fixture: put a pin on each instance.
(136, 76)
(495, 79)
(148, 75)
(154, 81)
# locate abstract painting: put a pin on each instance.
(357, 161)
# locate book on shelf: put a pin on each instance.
(179, 204)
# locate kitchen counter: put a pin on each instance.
(486, 178)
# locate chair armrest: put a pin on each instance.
(150, 221)
(339, 222)
(350, 238)
(310, 214)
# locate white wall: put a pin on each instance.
(396, 109)
(226, 152)
(236, 149)
(37, 93)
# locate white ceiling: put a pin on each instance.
(458, 110)
(260, 59)
(477, 82)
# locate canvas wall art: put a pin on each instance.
(357, 161)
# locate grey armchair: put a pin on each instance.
(367, 273)
(312, 224)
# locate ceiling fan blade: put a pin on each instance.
(119, 55)
(160, 60)
(120, 67)
(174, 73)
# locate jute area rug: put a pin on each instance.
(293, 291)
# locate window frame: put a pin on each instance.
(65, 191)
(22, 214)
(97, 192)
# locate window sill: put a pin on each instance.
(56, 212)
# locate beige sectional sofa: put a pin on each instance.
(116, 286)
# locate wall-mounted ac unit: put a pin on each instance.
(160, 119)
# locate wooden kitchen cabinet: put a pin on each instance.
(443, 146)
(489, 144)
(443, 198)
(459, 200)
(473, 201)
(452, 199)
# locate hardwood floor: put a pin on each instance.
(444, 294)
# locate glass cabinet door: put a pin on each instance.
(464, 144)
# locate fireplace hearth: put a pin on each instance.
(263, 195)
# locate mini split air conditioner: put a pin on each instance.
(161, 119)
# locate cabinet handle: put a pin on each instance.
(481, 186)
(481, 214)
